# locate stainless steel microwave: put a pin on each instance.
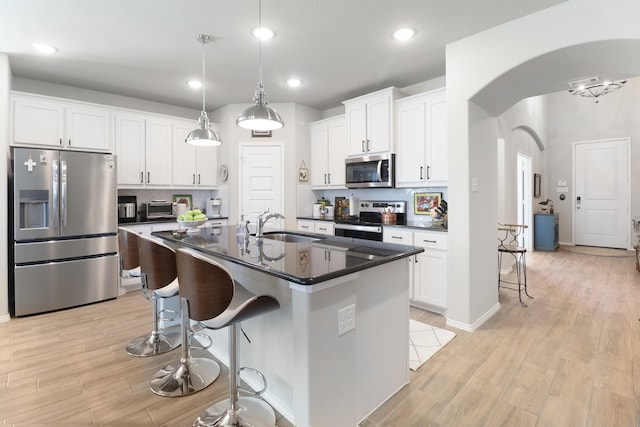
(377, 171)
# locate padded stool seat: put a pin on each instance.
(159, 280)
(216, 301)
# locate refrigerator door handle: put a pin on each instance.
(63, 192)
(54, 197)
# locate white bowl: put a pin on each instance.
(191, 225)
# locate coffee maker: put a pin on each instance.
(127, 209)
(213, 208)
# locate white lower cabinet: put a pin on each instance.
(320, 227)
(325, 260)
(429, 269)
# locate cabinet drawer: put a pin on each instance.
(396, 235)
(433, 240)
(324, 227)
(305, 225)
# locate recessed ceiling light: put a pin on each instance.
(403, 34)
(293, 82)
(44, 48)
(262, 33)
(194, 84)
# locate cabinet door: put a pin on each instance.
(88, 129)
(38, 122)
(356, 123)
(430, 269)
(438, 157)
(410, 142)
(337, 153)
(319, 154)
(207, 167)
(158, 150)
(129, 148)
(184, 157)
(379, 124)
(430, 278)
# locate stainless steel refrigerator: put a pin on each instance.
(64, 241)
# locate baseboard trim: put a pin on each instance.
(475, 325)
(5, 318)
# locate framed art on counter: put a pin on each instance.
(183, 198)
(424, 203)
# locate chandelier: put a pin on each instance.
(597, 90)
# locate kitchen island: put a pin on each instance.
(338, 346)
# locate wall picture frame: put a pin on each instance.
(260, 134)
(425, 203)
(184, 198)
(303, 173)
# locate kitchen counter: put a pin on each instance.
(292, 261)
(341, 301)
(313, 218)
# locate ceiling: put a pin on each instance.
(147, 49)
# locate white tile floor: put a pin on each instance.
(425, 340)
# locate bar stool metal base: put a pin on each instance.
(185, 378)
(251, 412)
(155, 343)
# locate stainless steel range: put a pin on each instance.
(368, 225)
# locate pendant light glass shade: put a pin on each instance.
(204, 135)
(260, 116)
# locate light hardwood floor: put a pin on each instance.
(571, 359)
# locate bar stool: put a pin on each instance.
(189, 374)
(159, 280)
(508, 235)
(128, 248)
(216, 301)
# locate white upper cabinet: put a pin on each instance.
(421, 140)
(130, 149)
(51, 122)
(193, 166)
(158, 152)
(328, 152)
(369, 122)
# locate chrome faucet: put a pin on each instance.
(262, 220)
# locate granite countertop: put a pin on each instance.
(304, 263)
(313, 218)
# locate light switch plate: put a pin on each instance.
(346, 319)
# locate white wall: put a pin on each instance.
(510, 63)
(5, 85)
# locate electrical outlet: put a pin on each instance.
(346, 319)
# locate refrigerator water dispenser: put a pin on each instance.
(34, 209)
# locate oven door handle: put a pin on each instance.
(368, 228)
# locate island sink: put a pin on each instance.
(285, 236)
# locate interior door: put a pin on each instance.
(601, 189)
(261, 182)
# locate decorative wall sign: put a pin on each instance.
(537, 181)
(223, 172)
(303, 173)
(424, 203)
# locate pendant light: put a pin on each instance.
(204, 135)
(260, 116)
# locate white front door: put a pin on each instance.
(601, 193)
(261, 181)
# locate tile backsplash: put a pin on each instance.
(391, 194)
(199, 197)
